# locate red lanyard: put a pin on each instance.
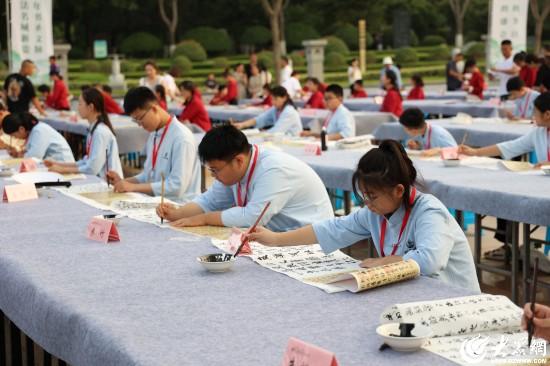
(240, 201)
(156, 147)
(526, 105)
(429, 142)
(403, 225)
(327, 120)
(89, 145)
(548, 144)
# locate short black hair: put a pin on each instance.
(138, 98)
(13, 121)
(358, 82)
(514, 84)
(107, 88)
(506, 42)
(43, 88)
(519, 57)
(412, 118)
(417, 78)
(470, 63)
(335, 89)
(542, 102)
(55, 73)
(223, 143)
(84, 87)
(314, 80)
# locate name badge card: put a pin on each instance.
(20, 192)
(449, 153)
(28, 165)
(102, 230)
(300, 353)
(313, 149)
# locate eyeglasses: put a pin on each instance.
(216, 171)
(139, 120)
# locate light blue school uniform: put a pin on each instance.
(46, 143)
(288, 121)
(432, 238)
(103, 147)
(525, 106)
(297, 195)
(397, 72)
(440, 137)
(342, 122)
(536, 140)
(177, 159)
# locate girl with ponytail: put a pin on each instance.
(41, 140)
(402, 222)
(101, 149)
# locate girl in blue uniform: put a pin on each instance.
(403, 222)
(101, 145)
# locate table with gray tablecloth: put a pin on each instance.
(130, 137)
(482, 132)
(146, 301)
(499, 193)
(438, 107)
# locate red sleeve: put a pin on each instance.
(416, 93)
(111, 106)
(392, 103)
(532, 77)
(195, 113)
(316, 101)
(231, 91)
(478, 84)
(360, 94)
(59, 97)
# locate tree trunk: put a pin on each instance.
(282, 31)
(171, 23)
(539, 26)
(276, 47)
(459, 36)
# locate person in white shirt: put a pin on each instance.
(523, 97)
(171, 151)
(354, 72)
(247, 177)
(293, 86)
(388, 65)
(169, 83)
(152, 77)
(286, 69)
(504, 69)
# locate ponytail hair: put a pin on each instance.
(13, 121)
(94, 97)
(392, 76)
(280, 91)
(384, 168)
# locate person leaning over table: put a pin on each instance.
(171, 151)
(283, 116)
(402, 222)
(246, 178)
(339, 123)
(537, 140)
(523, 97)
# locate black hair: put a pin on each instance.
(531, 58)
(470, 63)
(412, 118)
(417, 80)
(223, 143)
(13, 121)
(542, 102)
(506, 42)
(351, 61)
(385, 167)
(84, 87)
(160, 89)
(284, 58)
(222, 87)
(514, 84)
(226, 73)
(187, 85)
(94, 97)
(335, 89)
(294, 73)
(107, 88)
(151, 63)
(52, 57)
(138, 98)
(267, 87)
(56, 73)
(44, 88)
(314, 80)
(280, 91)
(358, 82)
(393, 79)
(519, 57)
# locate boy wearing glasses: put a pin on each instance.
(246, 178)
(171, 151)
(339, 123)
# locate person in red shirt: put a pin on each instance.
(59, 96)
(393, 101)
(194, 111)
(267, 100)
(111, 105)
(232, 88)
(357, 89)
(475, 83)
(219, 97)
(528, 72)
(317, 99)
(160, 93)
(417, 92)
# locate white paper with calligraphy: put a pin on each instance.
(31, 36)
(299, 262)
(469, 329)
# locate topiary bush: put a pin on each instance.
(214, 41)
(350, 35)
(297, 32)
(257, 36)
(298, 58)
(266, 58)
(336, 45)
(141, 44)
(91, 66)
(105, 66)
(406, 55)
(182, 64)
(433, 40)
(220, 62)
(475, 50)
(335, 60)
(371, 57)
(191, 49)
(440, 53)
